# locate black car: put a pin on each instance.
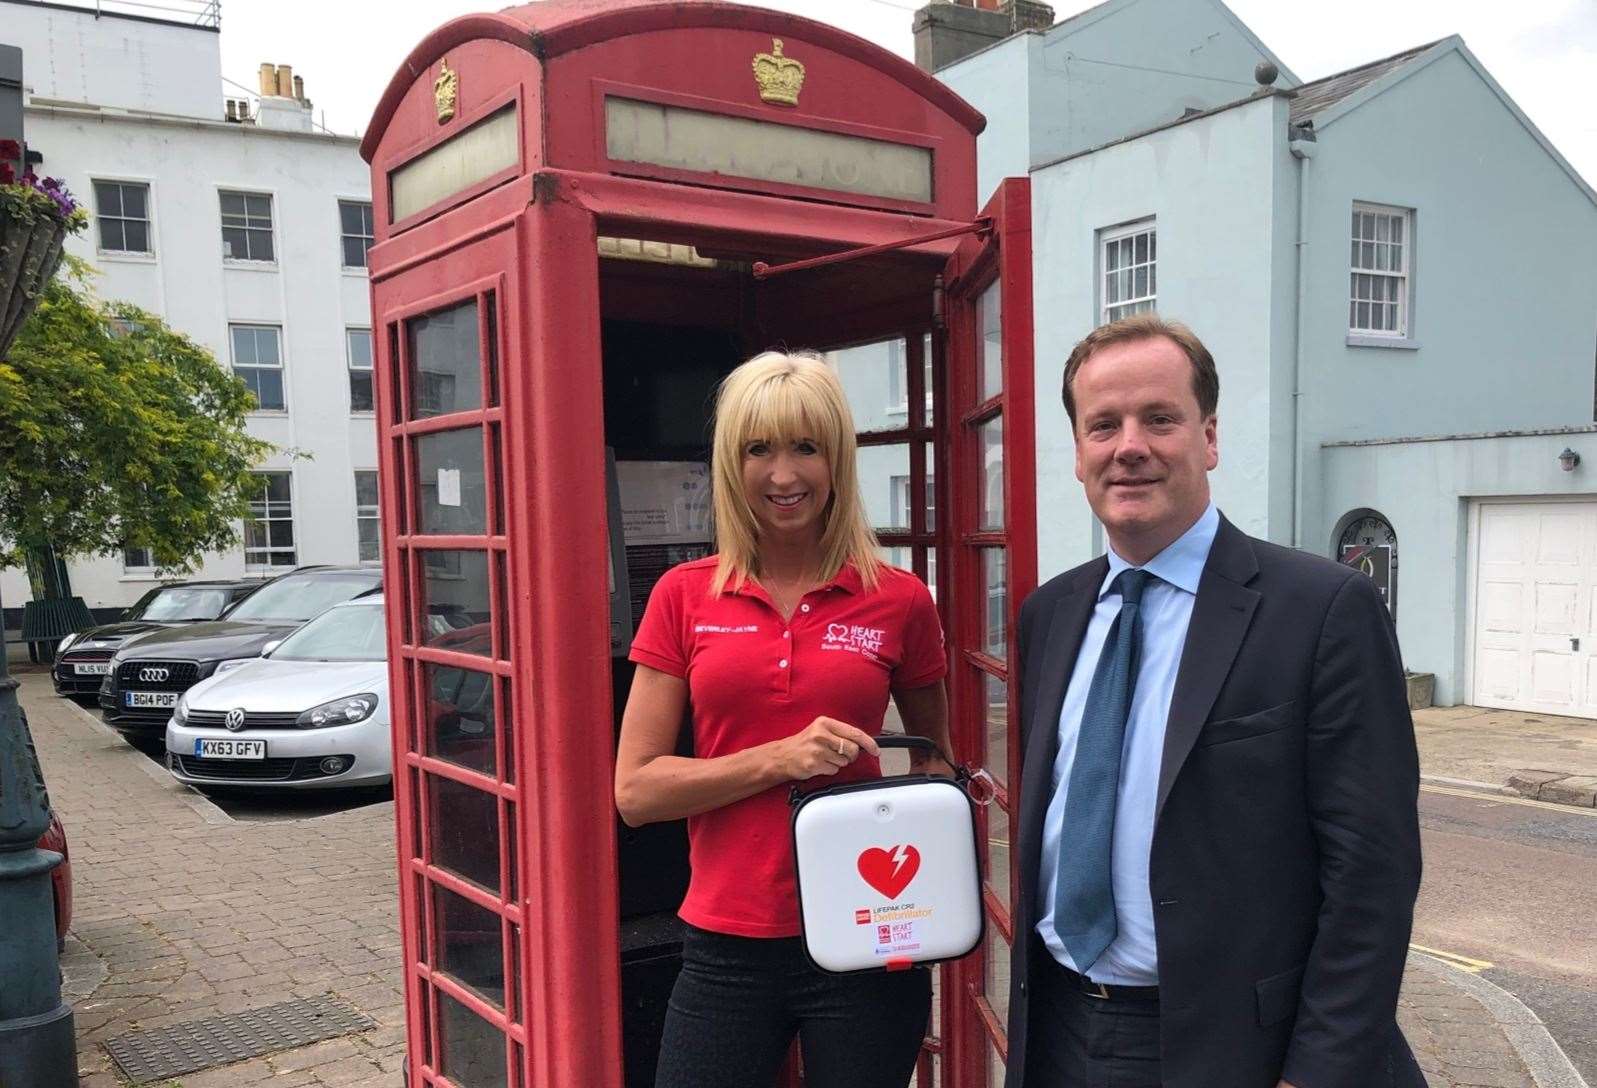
(83, 659)
(148, 675)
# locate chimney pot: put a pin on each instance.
(268, 79)
(299, 88)
(285, 81)
(232, 110)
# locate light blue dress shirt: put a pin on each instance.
(1132, 960)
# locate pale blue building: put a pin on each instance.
(1397, 274)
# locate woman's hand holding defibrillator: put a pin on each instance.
(825, 746)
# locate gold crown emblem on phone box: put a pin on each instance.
(780, 78)
(445, 92)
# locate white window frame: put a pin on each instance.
(368, 512)
(146, 254)
(280, 366)
(343, 235)
(898, 378)
(1365, 258)
(284, 511)
(898, 506)
(368, 369)
(898, 502)
(247, 225)
(1134, 302)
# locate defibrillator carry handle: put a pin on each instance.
(978, 785)
(962, 774)
(909, 740)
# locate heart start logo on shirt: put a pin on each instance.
(854, 639)
(889, 871)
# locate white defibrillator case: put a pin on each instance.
(888, 875)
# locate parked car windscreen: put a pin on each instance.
(293, 599)
(353, 633)
(181, 603)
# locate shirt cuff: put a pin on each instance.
(639, 656)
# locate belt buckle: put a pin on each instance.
(1095, 990)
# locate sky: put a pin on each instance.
(1542, 52)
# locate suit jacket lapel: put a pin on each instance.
(1047, 697)
(1220, 618)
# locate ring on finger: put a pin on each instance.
(842, 746)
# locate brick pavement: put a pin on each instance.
(193, 915)
(1456, 1039)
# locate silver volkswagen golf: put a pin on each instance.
(312, 713)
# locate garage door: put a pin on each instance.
(1535, 607)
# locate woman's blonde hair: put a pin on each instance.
(780, 398)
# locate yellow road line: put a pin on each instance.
(1508, 799)
(1463, 963)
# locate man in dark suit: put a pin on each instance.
(1219, 842)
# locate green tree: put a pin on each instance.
(116, 431)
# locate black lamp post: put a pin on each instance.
(37, 1041)
(37, 1044)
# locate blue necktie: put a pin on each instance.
(1084, 900)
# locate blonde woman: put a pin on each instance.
(786, 645)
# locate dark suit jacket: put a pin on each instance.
(1286, 851)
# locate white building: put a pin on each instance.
(240, 223)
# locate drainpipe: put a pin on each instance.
(1301, 142)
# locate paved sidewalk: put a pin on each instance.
(1539, 755)
(191, 915)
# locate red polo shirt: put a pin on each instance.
(753, 678)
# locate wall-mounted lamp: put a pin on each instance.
(1568, 460)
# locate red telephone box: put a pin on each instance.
(588, 211)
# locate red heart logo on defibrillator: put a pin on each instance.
(889, 871)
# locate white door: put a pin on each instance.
(1535, 607)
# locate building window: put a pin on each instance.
(137, 561)
(900, 502)
(901, 513)
(358, 349)
(898, 378)
(123, 211)
(1129, 259)
(1383, 241)
(355, 224)
(366, 524)
(258, 360)
(247, 227)
(269, 529)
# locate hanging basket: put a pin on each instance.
(30, 252)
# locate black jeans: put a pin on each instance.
(740, 1000)
(1077, 1041)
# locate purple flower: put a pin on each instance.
(63, 200)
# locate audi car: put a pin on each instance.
(310, 714)
(83, 659)
(146, 678)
